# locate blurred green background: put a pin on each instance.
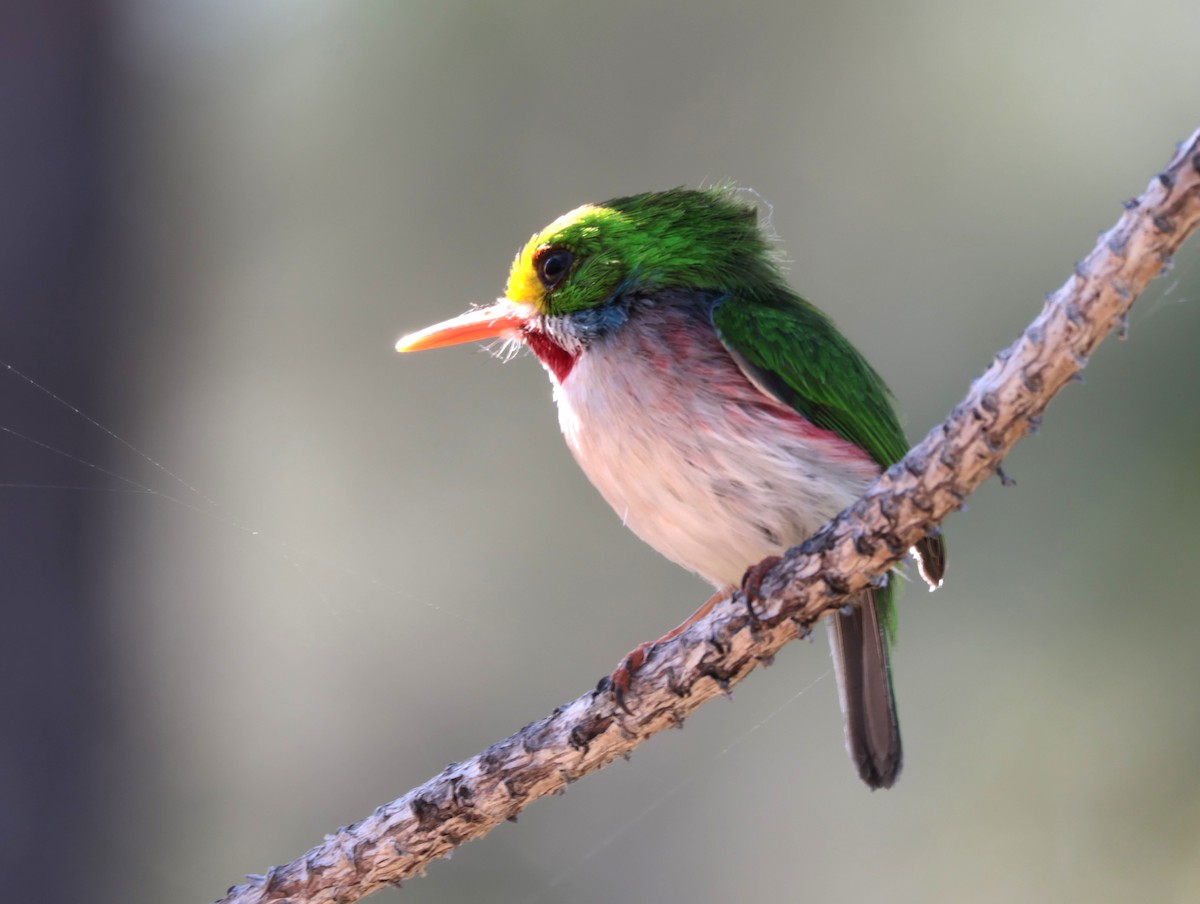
(355, 568)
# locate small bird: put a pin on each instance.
(722, 416)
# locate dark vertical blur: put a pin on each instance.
(52, 312)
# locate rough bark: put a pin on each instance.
(468, 799)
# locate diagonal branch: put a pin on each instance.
(468, 799)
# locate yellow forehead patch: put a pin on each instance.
(523, 283)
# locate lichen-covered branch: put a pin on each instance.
(468, 799)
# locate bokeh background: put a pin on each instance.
(301, 574)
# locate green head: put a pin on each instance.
(681, 238)
(693, 239)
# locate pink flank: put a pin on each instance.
(712, 364)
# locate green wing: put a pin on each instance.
(794, 352)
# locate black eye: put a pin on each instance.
(552, 265)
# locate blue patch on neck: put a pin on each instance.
(589, 325)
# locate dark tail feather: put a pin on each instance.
(860, 659)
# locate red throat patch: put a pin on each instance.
(556, 358)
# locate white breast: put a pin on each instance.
(694, 458)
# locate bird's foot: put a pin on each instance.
(755, 575)
(622, 677)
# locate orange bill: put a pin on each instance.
(484, 323)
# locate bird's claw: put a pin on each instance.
(622, 676)
(755, 575)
